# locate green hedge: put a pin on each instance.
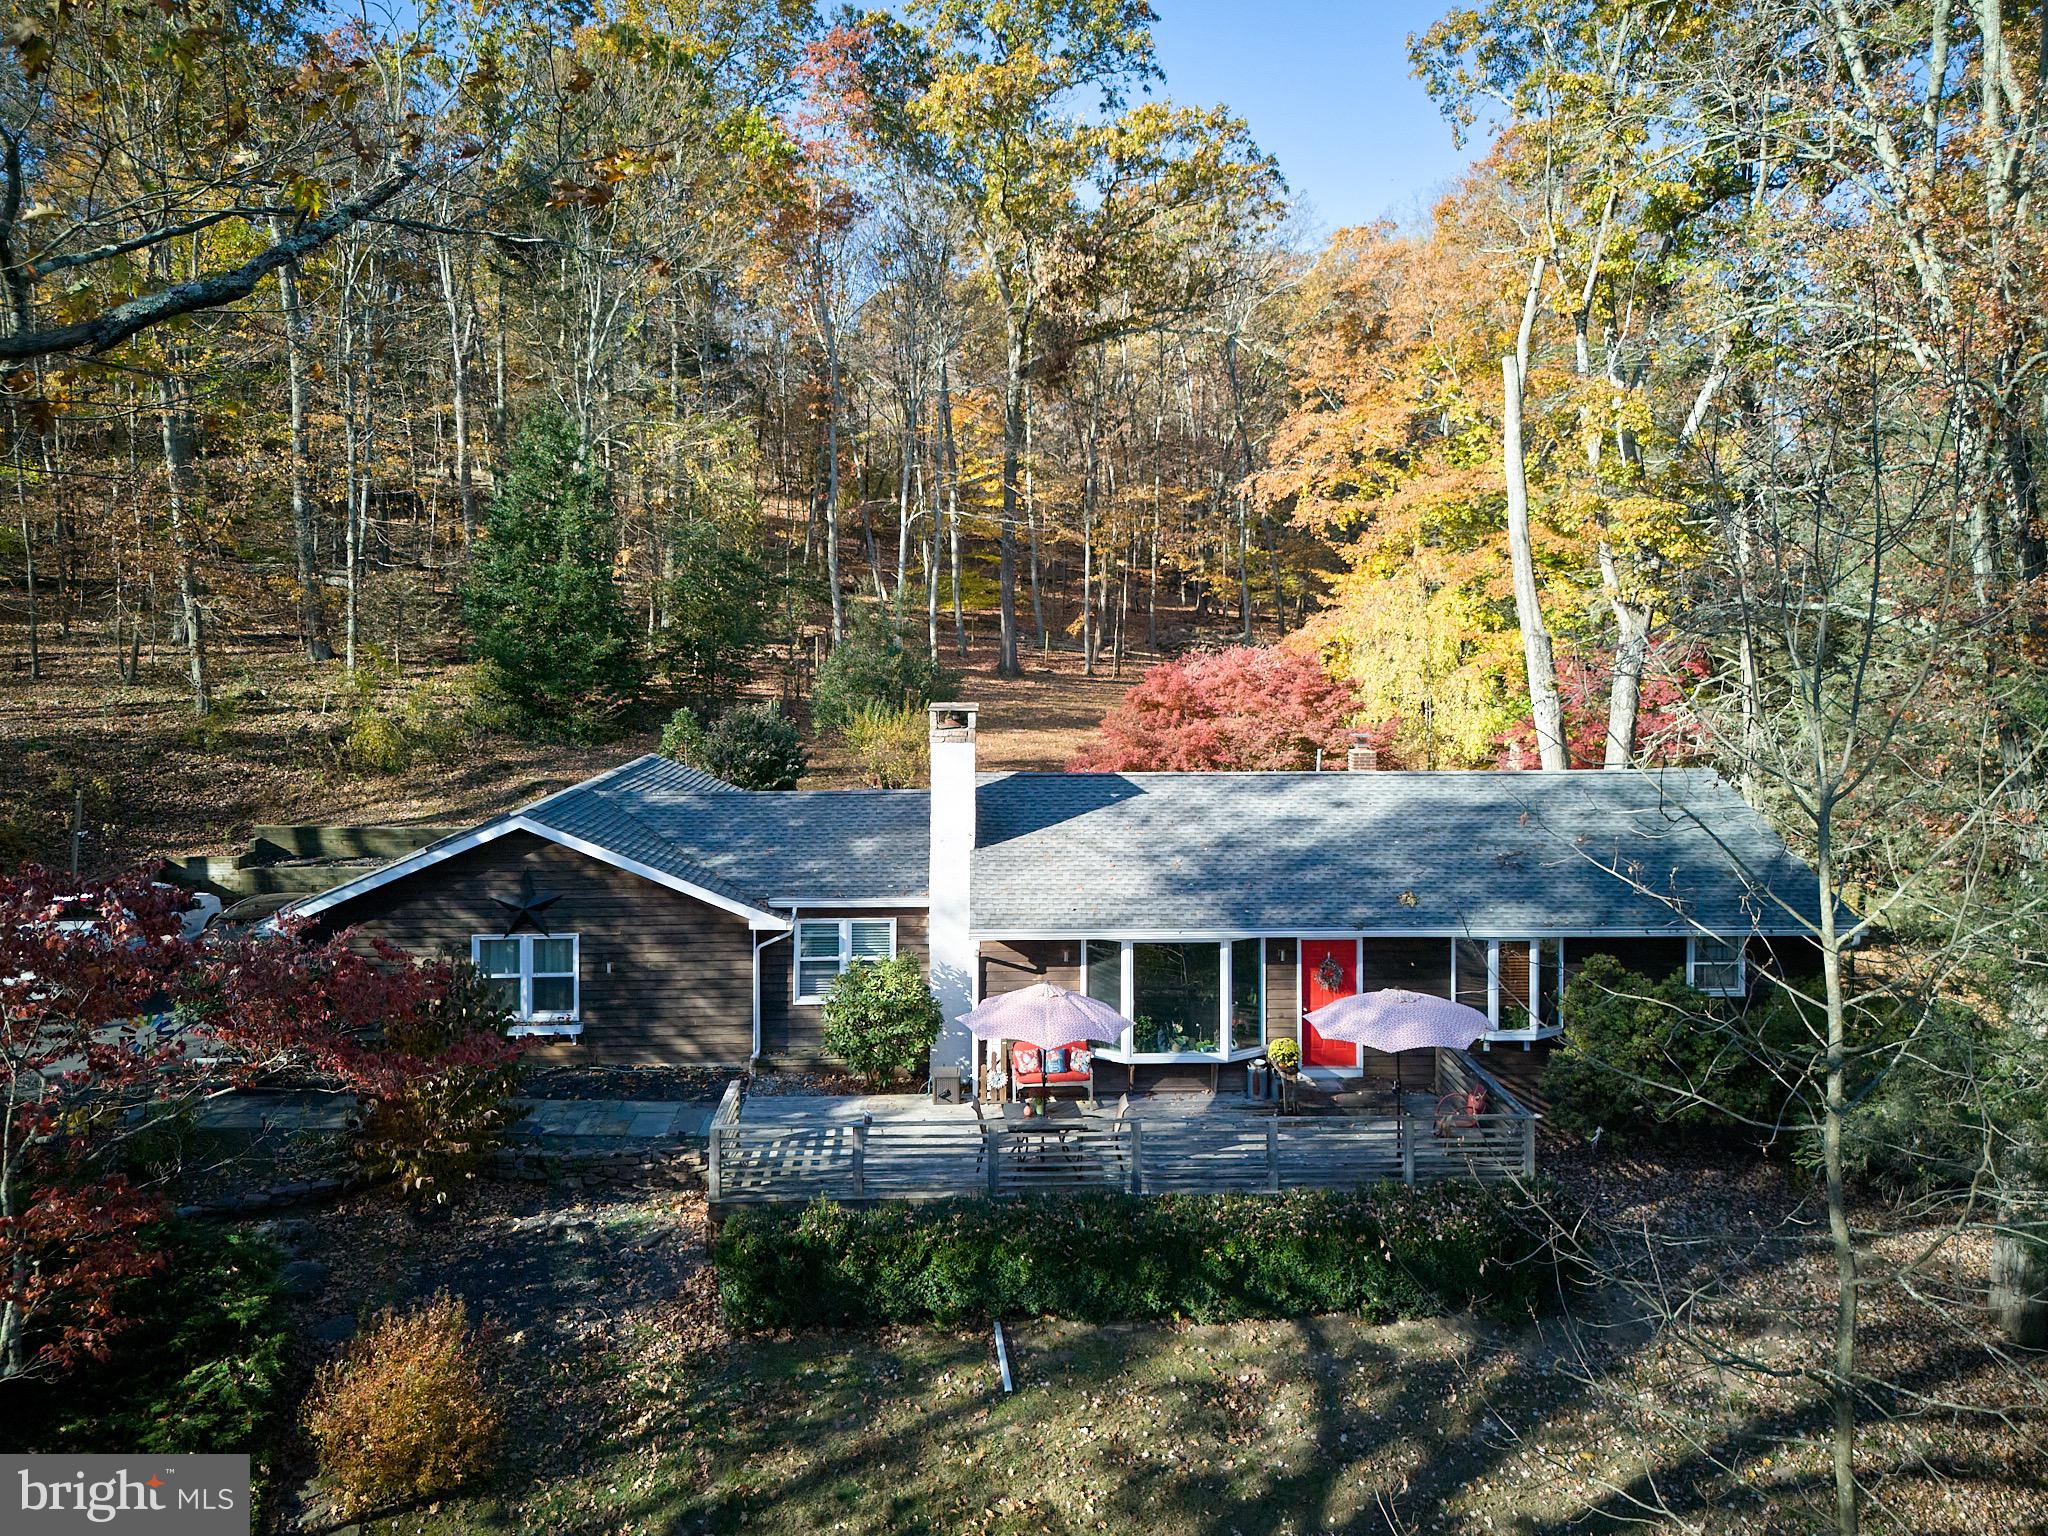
(1384, 1253)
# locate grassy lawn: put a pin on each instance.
(1289, 1427)
(631, 1410)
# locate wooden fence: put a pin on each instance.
(938, 1157)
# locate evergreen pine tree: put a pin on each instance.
(551, 628)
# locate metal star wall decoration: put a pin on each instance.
(530, 906)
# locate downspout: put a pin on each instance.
(754, 1060)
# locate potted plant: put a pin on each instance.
(1285, 1055)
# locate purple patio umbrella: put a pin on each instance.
(1045, 1016)
(1395, 1020)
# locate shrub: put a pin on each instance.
(405, 1414)
(754, 747)
(202, 1369)
(1238, 709)
(442, 1100)
(1937, 1096)
(386, 739)
(891, 747)
(881, 1018)
(1642, 1054)
(875, 665)
(1383, 1253)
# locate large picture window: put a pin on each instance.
(1176, 997)
(827, 946)
(535, 975)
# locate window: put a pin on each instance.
(826, 947)
(1105, 978)
(1475, 965)
(1717, 966)
(535, 975)
(1547, 955)
(1247, 995)
(1176, 997)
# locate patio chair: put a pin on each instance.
(1457, 1112)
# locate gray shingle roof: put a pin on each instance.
(1491, 854)
(835, 845)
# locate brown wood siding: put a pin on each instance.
(665, 978)
(1790, 957)
(1283, 989)
(1009, 967)
(1419, 965)
(792, 1033)
(1654, 958)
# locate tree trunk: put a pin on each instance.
(305, 546)
(1631, 654)
(1031, 521)
(949, 454)
(1536, 652)
(1842, 1389)
(1007, 664)
(28, 556)
(458, 390)
(2019, 1284)
(175, 405)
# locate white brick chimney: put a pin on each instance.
(952, 837)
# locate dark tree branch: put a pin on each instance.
(110, 329)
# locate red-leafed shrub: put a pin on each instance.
(1241, 708)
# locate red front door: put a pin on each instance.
(1329, 970)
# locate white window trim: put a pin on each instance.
(1693, 962)
(844, 958)
(1539, 1028)
(525, 1020)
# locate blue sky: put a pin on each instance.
(1325, 88)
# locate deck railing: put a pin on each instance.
(928, 1158)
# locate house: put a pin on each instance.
(654, 914)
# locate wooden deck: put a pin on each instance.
(779, 1150)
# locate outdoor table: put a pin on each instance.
(1015, 1117)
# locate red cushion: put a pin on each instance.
(1024, 1060)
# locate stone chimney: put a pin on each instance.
(1361, 758)
(952, 850)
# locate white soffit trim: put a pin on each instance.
(842, 904)
(1477, 935)
(426, 858)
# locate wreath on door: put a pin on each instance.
(1330, 973)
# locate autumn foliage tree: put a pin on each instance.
(112, 1018)
(1244, 708)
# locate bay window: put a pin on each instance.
(535, 976)
(825, 947)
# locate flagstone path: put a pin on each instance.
(545, 1119)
